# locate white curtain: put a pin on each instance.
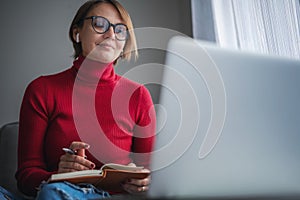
(266, 26)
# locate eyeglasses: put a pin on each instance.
(101, 25)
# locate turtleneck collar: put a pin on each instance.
(94, 72)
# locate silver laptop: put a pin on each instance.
(228, 124)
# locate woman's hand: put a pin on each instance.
(78, 162)
(137, 186)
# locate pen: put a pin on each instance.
(69, 151)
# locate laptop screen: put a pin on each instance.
(228, 125)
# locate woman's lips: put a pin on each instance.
(106, 45)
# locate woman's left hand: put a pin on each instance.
(137, 186)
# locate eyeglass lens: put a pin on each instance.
(101, 25)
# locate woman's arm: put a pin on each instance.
(144, 131)
(34, 117)
(143, 140)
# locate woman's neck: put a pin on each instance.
(93, 71)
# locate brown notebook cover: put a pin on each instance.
(107, 178)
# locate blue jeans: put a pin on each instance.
(68, 191)
(5, 194)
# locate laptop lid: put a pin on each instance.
(228, 124)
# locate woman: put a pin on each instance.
(56, 111)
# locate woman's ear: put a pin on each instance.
(76, 36)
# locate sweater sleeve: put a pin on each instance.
(33, 125)
(144, 131)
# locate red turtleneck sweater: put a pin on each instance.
(88, 103)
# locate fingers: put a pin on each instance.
(133, 189)
(70, 163)
(134, 186)
(131, 165)
(78, 162)
(79, 147)
(139, 182)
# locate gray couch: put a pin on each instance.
(8, 156)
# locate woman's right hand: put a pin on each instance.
(78, 162)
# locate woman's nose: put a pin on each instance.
(110, 33)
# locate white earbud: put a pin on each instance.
(77, 38)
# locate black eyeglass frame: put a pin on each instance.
(110, 24)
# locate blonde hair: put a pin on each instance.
(130, 47)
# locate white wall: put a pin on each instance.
(34, 39)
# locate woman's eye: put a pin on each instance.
(120, 29)
(100, 25)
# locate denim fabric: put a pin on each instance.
(68, 191)
(5, 195)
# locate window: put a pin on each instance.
(266, 26)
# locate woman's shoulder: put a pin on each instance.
(124, 81)
(54, 80)
(138, 90)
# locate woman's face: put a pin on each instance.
(104, 47)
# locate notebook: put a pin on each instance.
(228, 124)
